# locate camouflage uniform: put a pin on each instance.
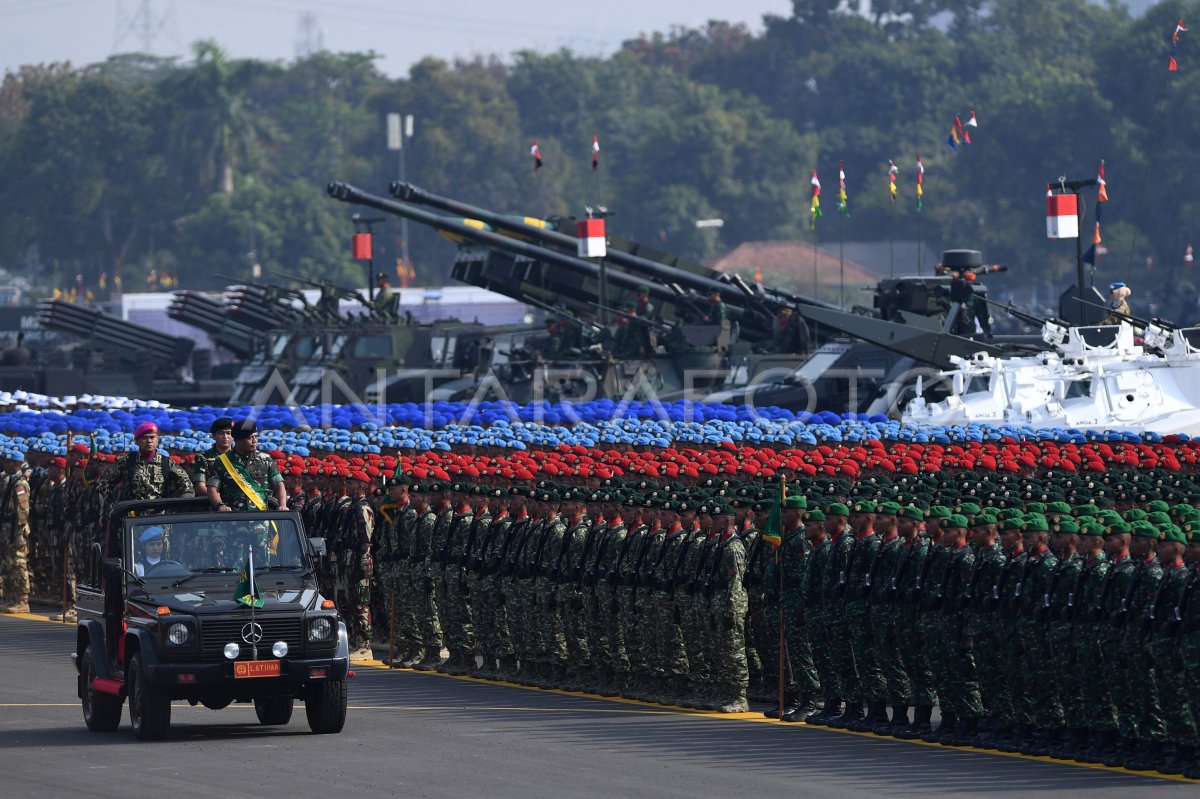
(641, 623)
(607, 602)
(15, 520)
(729, 603)
(420, 564)
(258, 465)
(836, 638)
(670, 659)
(954, 665)
(815, 604)
(1174, 695)
(1010, 708)
(800, 672)
(904, 591)
(134, 477)
(552, 641)
(1091, 621)
(491, 614)
(1141, 707)
(360, 569)
(980, 637)
(454, 604)
(1039, 672)
(1060, 640)
(884, 633)
(865, 672)
(44, 566)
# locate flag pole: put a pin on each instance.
(842, 261)
(779, 572)
(392, 631)
(892, 236)
(250, 560)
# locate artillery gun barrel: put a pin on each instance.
(350, 194)
(536, 230)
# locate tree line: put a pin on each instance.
(214, 168)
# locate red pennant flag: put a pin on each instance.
(1102, 194)
(536, 152)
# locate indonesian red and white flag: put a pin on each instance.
(536, 152)
(595, 152)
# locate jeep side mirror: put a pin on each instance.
(318, 545)
(113, 564)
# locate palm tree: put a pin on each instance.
(216, 130)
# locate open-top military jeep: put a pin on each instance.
(179, 602)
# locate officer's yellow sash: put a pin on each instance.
(242, 481)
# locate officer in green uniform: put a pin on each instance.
(222, 434)
(244, 478)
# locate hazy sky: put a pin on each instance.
(86, 31)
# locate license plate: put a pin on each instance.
(255, 668)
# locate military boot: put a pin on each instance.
(1146, 758)
(803, 709)
(995, 736)
(506, 668)
(898, 721)
(1043, 740)
(1122, 750)
(790, 701)
(1180, 761)
(945, 730)
(832, 708)
(876, 714)
(1102, 743)
(1070, 745)
(965, 733)
(853, 712)
(20, 606)
(920, 724)
(432, 659)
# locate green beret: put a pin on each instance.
(954, 520)
(815, 515)
(1066, 526)
(864, 506)
(795, 502)
(1135, 515)
(1193, 532)
(888, 508)
(837, 509)
(1061, 508)
(938, 512)
(1144, 529)
(1158, 518)
(1085, 510)
(912, 512)
(967, 509)
(982, 519)
(1012, 523)
(1035, 507)
(1035, 523)
(1171, 532)
(1157, 505)
(1092, 528)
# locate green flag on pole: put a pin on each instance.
(246, 591)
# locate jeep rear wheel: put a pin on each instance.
(325, 707)
(274, 711)
(149, 708)
(101, 712)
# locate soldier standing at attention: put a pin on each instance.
(244, 478)
(146, 473)
(222, 433)
(15, 520)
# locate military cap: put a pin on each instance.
(837, 509)
(1117, 527)
(152, 533)
(1144, 529)
(1135, 515)
(795, 502)
(912, 512)
(814, 515)
(1058, 507)
(981, 519)
(1158, 518)
(1157, 505)
(1012, 523)
(1085, 510)
(1035, 507)
(888, 508)
(967, 508)
(1035, 523)
(1066, 527)
(223, 423)
(1091, 527)
(938, 512)
(1171, 532)
(1193, 532)
(244, 429)
(954, 520)
(864, 506)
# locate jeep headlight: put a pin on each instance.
(320, 629)
(178, 634)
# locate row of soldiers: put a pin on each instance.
(553, 585)
(1046, 630)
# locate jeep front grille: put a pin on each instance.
(215, 633)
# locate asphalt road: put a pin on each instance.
(411, 734)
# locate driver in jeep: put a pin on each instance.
(151, 540)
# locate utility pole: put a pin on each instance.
(399, 128)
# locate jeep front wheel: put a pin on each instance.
(101, 712)
(274, 711)
(149, 708)
(325, 707)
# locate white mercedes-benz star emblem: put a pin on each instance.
(251, 632)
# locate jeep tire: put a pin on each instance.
(274, 711)
(325, 706)
(149, 708)
(101, 712)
